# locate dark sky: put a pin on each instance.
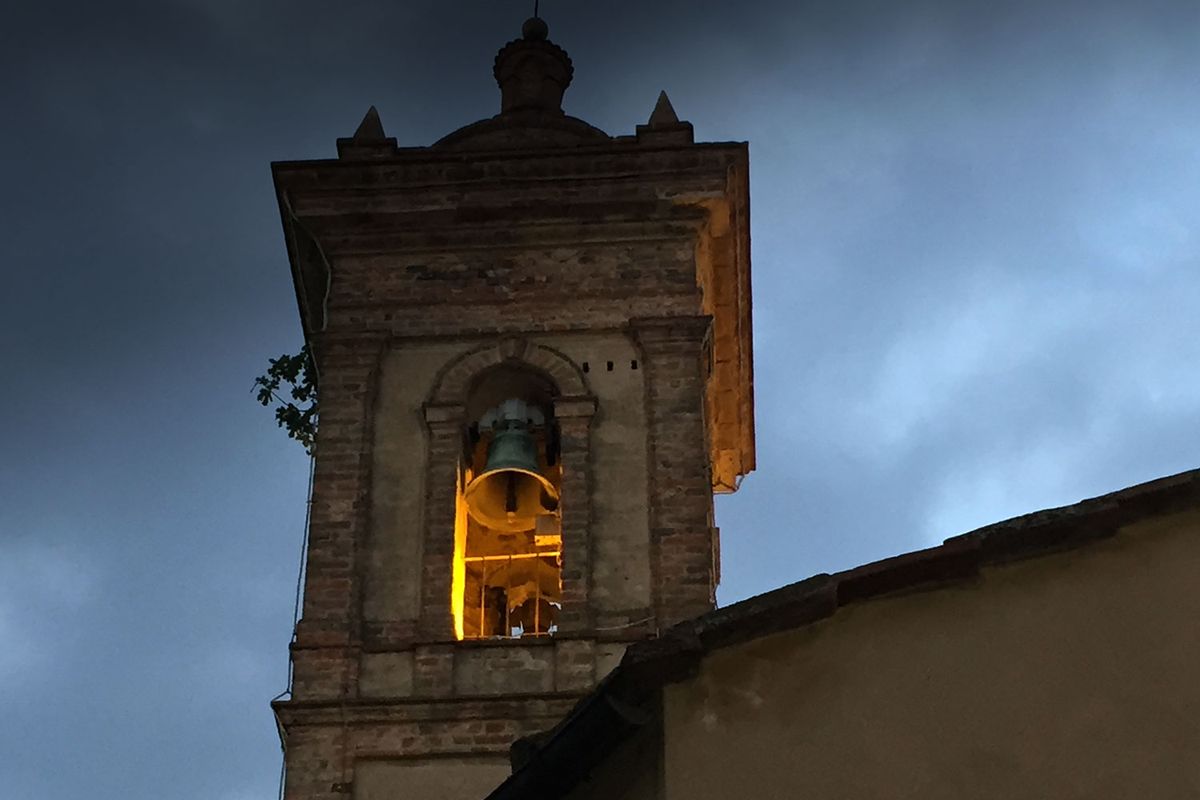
(976, 270)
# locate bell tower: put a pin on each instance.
(533, 350)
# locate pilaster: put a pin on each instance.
(444, 423)
(574, 417)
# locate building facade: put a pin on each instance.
(1054, 655)
(533, 351)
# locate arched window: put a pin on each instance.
(508, 536)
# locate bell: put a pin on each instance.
(511, 493)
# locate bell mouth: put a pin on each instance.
(510, 499)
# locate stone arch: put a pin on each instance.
(453, 382)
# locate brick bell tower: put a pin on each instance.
(533, 346)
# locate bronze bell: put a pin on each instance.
(511, 492)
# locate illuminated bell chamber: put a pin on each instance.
(511, 492)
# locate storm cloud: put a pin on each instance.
(976, 283)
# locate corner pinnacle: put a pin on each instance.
(663, 115)
(371, 128)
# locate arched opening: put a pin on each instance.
(508, 532)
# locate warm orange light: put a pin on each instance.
(458, 578)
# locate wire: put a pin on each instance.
(625, 625)
(295, 617)
(312, 466)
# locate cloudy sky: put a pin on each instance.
(976, 270)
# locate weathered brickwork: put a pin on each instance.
(445, 447)
(576, 524)
(616, 269)
(326, 742)
(681, 487)
(502, 669)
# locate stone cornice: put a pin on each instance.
(409, 709)
(428, 167)
(341, 236)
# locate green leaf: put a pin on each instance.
(298, 416)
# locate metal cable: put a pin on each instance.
(295, 616)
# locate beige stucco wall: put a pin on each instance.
(1075, 675)
(393, 587)
(620, 514)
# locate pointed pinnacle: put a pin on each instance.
(663, 115)
(371, 128)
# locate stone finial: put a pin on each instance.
(370, 129)
(664, 125)
(532, 72)
(535, 29)
(664, 115)
(368, 141)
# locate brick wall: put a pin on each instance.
(326, 742)
(681, 489)
(589, 251)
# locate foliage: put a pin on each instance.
(299, 414)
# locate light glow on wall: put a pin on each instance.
(458, 578)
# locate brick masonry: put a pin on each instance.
(617, 268)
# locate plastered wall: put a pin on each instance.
(393, 584)
(1075, 675)
(620, 523)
